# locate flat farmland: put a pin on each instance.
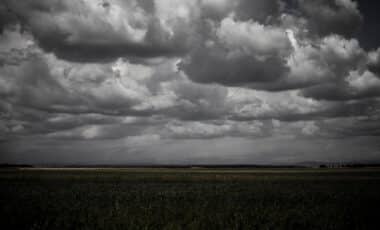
(189, 198)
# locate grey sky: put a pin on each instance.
(187, 82)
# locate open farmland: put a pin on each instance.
(153, 198)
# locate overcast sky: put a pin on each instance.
(189, 82)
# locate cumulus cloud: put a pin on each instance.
(242, 52)
(355, 85)
(250, 37)
(140, 77)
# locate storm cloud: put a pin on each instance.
(195, 81)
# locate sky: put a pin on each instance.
(189, 82)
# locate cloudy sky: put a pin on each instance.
(189, 82)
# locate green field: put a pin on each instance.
(140, 198)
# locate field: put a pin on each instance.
(153, 198)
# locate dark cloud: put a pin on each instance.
(198, 102)
(374, 62)
(211, 66)
(327, 17)
(356, 85)
(351, 126)
(187, 81)
(261, 11)
(31, 84)
(88, 31)
(7, 17)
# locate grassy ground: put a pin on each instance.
(190, 199)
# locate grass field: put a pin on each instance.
(153, 198)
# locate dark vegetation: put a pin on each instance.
(175, 198)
